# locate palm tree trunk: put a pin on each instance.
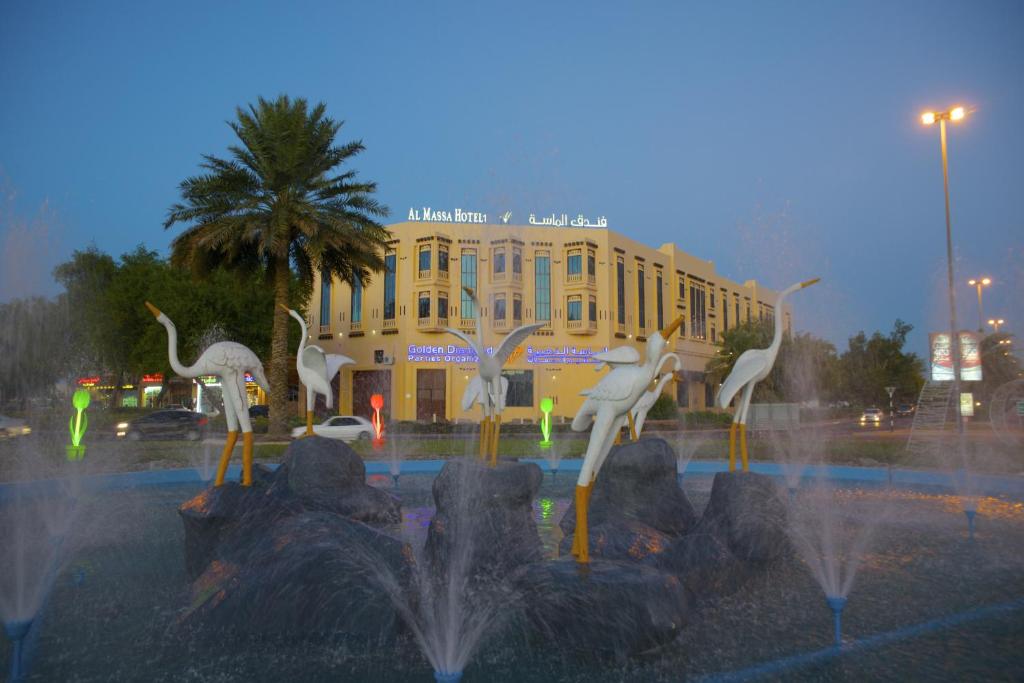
(279, 350)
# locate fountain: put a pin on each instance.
(17, 630)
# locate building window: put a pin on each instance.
(682, 289)
(698, 319)
(325, 299)
(542, 286)
(592, 306)
(517, 261)
(660, 300)
(442, 259)
(574, 309)
(709, 395)
(468, 269)
(442, 306)
(389, 286)
(424, 305)
(712, 330)
(591, 263)
(736, 301)
(641, 298)
(574, 265)
(748, 310)
(520, 388)
(682, 394)
(499, 261)
(620, 288)
(711, 291)
(356, 315)
(517, 308)
(424, 261)
(725, 310)
(499, 307)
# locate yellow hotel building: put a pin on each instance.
(592, 287)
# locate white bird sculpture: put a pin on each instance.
(489, 369)
(316, 370)
(751, 367)
(229, 361)
(646, 402)
(611, 403)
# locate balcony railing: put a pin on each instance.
(574, 277)
(573, 324)
(356, 326)
(442, 322)
(423, 322)
(423, 274)
(499, 324)
(581, 326)
(390, 324)
(442, 275)
(517, 277)
(325, 329)
(467, 323)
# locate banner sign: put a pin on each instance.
(942, 357)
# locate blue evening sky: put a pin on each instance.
(780, 140)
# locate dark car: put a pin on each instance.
(165, 424)
(259, 411)
(904, 410)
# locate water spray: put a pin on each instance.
(546, 406)
(77, 425)
(970, 523)
(836, 604)
(16, 632)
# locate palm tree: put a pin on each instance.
(280, 201)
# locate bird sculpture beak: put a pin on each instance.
(285, 308)
(667, 332)
(809, 282)
(469, 291)
(153, 309)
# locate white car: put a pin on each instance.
(10, 426)
(344, 427)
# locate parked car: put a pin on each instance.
(344, 427)
(259, 411)
(904, 410)
(871, 416)
(164, 424)
(12, 426)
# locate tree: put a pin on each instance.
(871, 364)
(35, 346)
(280, 202)
(999, 365)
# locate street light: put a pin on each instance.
(928, 118)
(979, 283)
(996, 322)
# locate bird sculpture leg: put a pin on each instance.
(246, 458)
(580, 541)
(732, 445)
(745, 407)
(246, 425)
(231, 415)
(632, 427)
(485, 430)
(494, 440)
(309, 412)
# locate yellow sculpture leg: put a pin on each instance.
(732, 447)
(309, 423)
(580, 541)
(743, 447)
(485, 431)
(225, 457)
(494, 440)
(632, 427)
(246, 458)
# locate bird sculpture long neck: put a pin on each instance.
(777, 337)
(305, 333)
(172, 351)
(481, 349)
(664, 359)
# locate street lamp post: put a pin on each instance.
(979, 283)
(996, 323)
(928, 119)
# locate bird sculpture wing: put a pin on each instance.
(334, 362)
(472, 393)
(620, 355)
(514, 338)
(503, 383)
(747, 368)
(313, 359)
(463, 336)
(615, 386)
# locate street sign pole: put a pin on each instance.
(892, 414)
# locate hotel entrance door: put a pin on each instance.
(430, 395)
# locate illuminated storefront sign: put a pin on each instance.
(450, 353)
(154, 378)
(88, 381)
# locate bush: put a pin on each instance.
(705, 419)
(663, 409)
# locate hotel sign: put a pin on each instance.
(450, 353)
(427, 214)
(430, 215)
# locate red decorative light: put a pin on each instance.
(377, 402)
(88, 381)
(155, 378)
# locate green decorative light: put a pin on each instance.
(546, 405)
(78, 424)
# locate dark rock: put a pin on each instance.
(622, 539)
(484, 520)
(704, 564)
(638, 483)
(605, 608)
(746, 513)
(215, 514)
(312, 574)
(326, 475)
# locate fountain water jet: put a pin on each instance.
(836, 603)
(17, 631)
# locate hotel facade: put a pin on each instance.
(592, 287)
